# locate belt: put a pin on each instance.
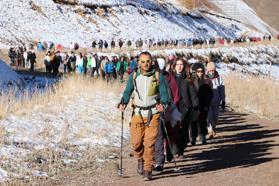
(149, 115)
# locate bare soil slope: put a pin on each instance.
(267, 10)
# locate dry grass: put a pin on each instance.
(49, 160)
(70, 87)
(253, 94)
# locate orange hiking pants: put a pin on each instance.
(144, 138)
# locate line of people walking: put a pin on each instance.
(20, 57)
(108, 68)
(173, 103)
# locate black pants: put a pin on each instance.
(109, 77)
(84, 71)
(32, 66)
(183, 134)
(65, 68)
(200, 126)
(93, 70)
(159, 145)
(103, 74)
(121, 75)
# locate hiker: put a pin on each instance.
(26, 65)
(187, 101)
(65, 59)
(109, 70)
(48, 62)
(57, 60)
(72, 62)
(112, 44)
(115, 61)
(217, 99)
(120, 43)
(12, 56)
(31, 58)
(133, 65)
(103, 61)
(76, 46)
(98, 64)
(150, 98)
(84, 64)
(94, 44)
(203, 86)
(106, 45)
(100, 44)
(171, 120)
(121, 68)
(19, 58)
(129, 43)
(92, 64)
(79, 63)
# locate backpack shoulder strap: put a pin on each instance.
(135, 83)
(134, 76)
(157, 76)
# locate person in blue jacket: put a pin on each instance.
(109, 69)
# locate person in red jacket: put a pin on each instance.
(169, 119)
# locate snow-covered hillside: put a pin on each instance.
(257, 60)
(239, 10)
(85, 20)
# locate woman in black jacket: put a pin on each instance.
(187, 101)
(203, 86)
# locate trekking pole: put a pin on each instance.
(176, 169)
(120, 166)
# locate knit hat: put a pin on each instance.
(161, 63)
(196, 66)
(210, 66)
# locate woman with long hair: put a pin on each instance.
(187, 101)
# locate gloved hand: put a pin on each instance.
(223, 105)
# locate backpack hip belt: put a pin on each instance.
(147, 112)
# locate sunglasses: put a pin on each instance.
(146, 61)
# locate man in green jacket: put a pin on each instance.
(121, 68)
(151, 95)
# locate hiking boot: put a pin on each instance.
(203, 139)
(147, 176)
(180, 156)
(210, 135)
(193, 142)
(214, 133)
(140, 167)
(159, 168)
(169, 157)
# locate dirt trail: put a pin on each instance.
(244, 152)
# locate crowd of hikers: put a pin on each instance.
(157, 43)
(21, 57)
(90, 64)
(190, 42)
(174, 103)
(25, 56)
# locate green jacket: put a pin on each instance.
(118, 66)
(148, 91)
(89, 62)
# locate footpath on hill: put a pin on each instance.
(244, 152)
